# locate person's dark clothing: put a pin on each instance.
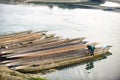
(91, 49)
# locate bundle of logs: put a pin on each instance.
(36, 51)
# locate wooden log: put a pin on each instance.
(58, 63)
(54, 51)
(32, 49)
(81, 52)
(32, 41)
(44, 45)
(27, 37)
(32, 46)
(74, 42)
(15, 34)
(26, 61)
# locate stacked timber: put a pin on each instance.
(36, 51)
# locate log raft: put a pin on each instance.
(41, 47)
(39, 51)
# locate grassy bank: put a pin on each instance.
(7, 74)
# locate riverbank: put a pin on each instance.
(117, 1)
(73, 5)
(8, 74)
(84, 5)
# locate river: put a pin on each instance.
(96, 25)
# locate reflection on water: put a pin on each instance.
(77, 71)
(89, 65)
(96, 25)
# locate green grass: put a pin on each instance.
(7, 74)
(37, 79)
